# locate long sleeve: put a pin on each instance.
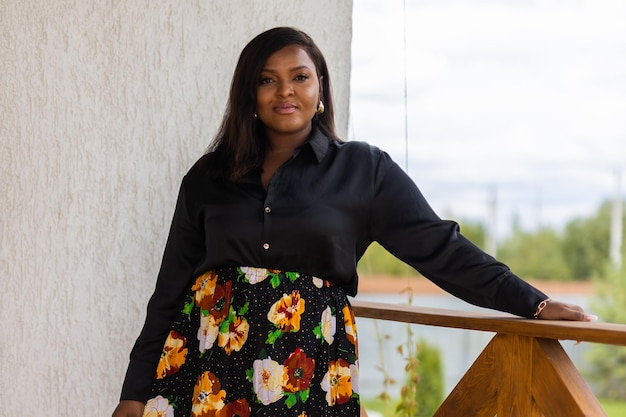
(184, 250)
(404, 223)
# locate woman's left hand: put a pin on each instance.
(556, 310)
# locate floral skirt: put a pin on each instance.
(258, 342)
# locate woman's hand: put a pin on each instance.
(555, 310)
(129, 408)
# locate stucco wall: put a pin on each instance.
(103, 107)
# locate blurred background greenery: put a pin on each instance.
(578, 252)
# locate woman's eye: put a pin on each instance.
(302, 77)
(265, 81)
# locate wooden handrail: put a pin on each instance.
(607, 333)
(522, 372)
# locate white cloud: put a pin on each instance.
(519, 94)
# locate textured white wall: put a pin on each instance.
(103, 107)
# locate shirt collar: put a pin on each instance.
(319, 144)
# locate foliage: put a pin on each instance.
(475, 232)
(536, 255)
(610, 297)
(377, 261)
(419, 395)
(408, 405)
(613, 408)
(387, 379)
(430, 385)
(422, 392)
(577, 253)
(586, 243)
(608, 362)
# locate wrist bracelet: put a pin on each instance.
(541, 306)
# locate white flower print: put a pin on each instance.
(354, 376)
(329, 325)
(318, 282)
(268, 379)
(158, 407)
(207, 332)
(254, 275)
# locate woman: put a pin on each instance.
(249, 315)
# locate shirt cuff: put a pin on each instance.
(138, 381)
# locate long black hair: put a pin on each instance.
(239, 145)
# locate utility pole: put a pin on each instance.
(491, 245)
(615, 251)
(539, 206)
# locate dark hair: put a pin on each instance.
(239, 145)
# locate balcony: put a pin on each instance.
(522, 372)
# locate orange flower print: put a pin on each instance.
(215, 309)
(268, 378)
(299, 370)
(208, 398)
(204, 288)
(236, 336)
(254, 275)
(329, 325)
(238, 408)
(219, 304)
(158, 407)
(350, 324)
(337, 382)
(173, 355)
(286, 312)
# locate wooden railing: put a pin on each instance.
(522, 372)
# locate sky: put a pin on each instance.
(521, 103)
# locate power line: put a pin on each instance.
(406, 95)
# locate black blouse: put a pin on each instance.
(321, 211)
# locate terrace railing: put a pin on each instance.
(523, 371)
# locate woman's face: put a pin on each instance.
(288, 93)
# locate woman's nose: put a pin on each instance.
(285, 89)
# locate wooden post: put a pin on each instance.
(522, 372)
(521, 376)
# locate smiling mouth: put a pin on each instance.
(285, 109)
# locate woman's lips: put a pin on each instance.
(285, 108)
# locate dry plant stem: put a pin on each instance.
(408, 406)
(387, 380)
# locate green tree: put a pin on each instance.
(537, 255)
(576, 254)
(377, 261)
(430, 386)
(422, 393)
(586, 243)
(608, 362)
(474, 231)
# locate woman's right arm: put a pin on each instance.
(184, 251)
(129, 408)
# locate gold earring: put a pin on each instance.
(320, 108)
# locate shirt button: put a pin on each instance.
(268, 209)
(266, 246)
